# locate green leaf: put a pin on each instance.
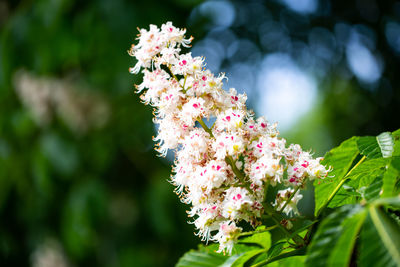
(360, 180)
(196, 258)
(369, 147)
(380, 240)
(396, 136)
(394, 201)
(296, 261)
(335, 242)
(240, 259)
(305, 225)
(367, 167)
(201, 258)
(372, 191)
(341, 159)
(275, 249)
(329, 236)
(263, 239)
(388, 231)
(231, 260)
(347, 194)
(341, 253)
(376, 147)
(281, 258)
(391, 177)
(386, 144)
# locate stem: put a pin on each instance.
(237, 172)
(208, 130)
(332, 195)
(355, 166)
(176, 78)
(257, 232)
(184, 82)
(278, 223)
(290, 198)
(296, 238)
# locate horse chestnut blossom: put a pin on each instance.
(222, 171)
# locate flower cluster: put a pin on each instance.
(222, 170)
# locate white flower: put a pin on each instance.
(195, 145)
(169, 55)
(150, 43)
(293, 152)
(187, 65)
(317, 170)
(227, 236)
(228, 145)
(193, 110)
(238, 101)
(213, 175)
(222, 172)
(174, 35)
(170, 131)
(208, 219)
(266, 145)
(281, 199)
(265, 169)
(184, 171)
(230, 120)
(157, 83)
(237, 201)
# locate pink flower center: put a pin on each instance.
(305, 164)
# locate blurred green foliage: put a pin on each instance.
(100, 194)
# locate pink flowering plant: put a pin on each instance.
(239, 177)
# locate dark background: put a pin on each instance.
(80, 183)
